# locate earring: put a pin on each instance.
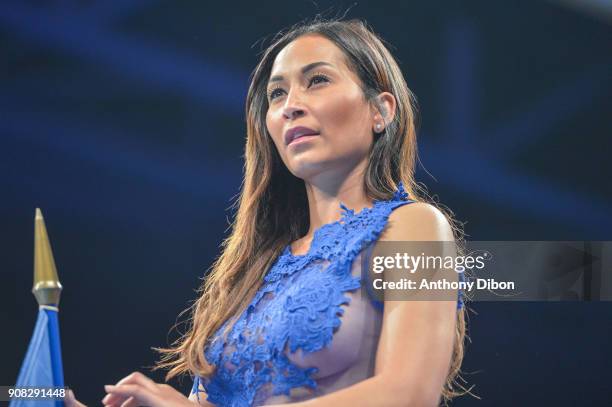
(379, 127)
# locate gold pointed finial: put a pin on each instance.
(47, 288)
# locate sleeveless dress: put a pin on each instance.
(308, 331)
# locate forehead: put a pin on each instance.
(307, 49)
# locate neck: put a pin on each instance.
(325, 194)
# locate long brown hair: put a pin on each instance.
(272, 207)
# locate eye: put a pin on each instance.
(314, 79)
(272, 93)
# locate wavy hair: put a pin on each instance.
(272, 207)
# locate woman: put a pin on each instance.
(330, 126)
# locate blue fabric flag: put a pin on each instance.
(42, 366)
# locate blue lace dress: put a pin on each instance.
(308, 331)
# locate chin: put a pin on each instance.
(305, 170)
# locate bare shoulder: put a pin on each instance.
(418, 221)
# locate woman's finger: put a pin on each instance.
(118, 403)
(140, 393)
(116, 400)
(113, 400)
(130, 402)
(69, 400)
(137, 378)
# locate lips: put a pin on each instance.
(297, 132)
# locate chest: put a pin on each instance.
(317, 318)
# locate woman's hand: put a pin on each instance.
(138, 390)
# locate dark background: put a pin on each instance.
(124, 122)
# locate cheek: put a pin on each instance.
(269, 122)
(340, 111)
(274, 127)
(347, 117)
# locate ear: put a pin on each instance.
(387, 103)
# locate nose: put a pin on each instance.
(292, 109)
(292, 112)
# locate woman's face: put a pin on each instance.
(311, 86)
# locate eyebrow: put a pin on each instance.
(305, 68)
